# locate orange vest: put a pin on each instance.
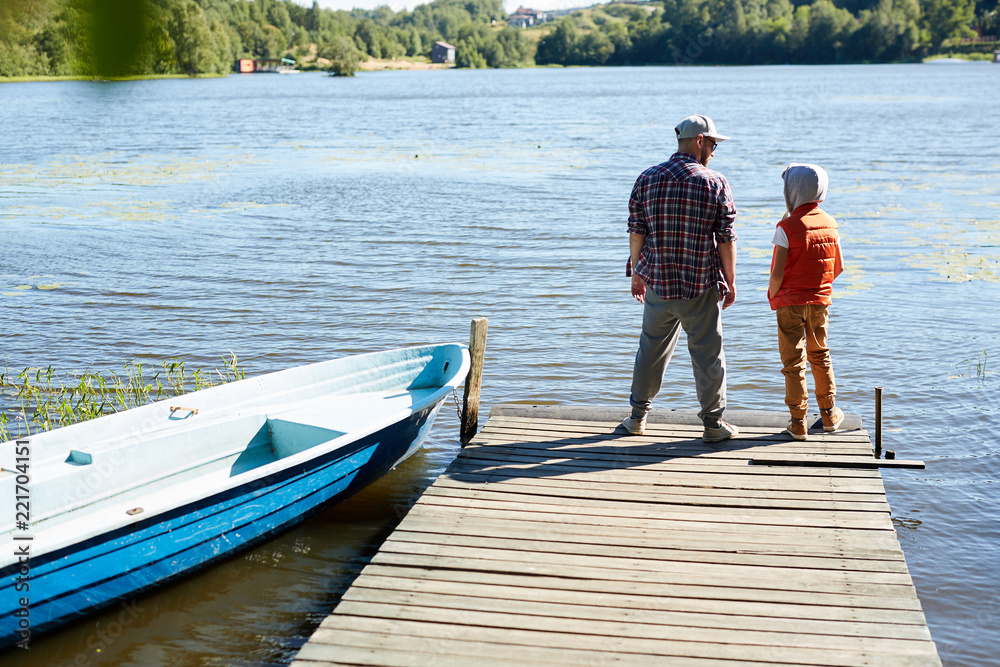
(812, 258)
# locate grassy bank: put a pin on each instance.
(102, 79)
(960, 56)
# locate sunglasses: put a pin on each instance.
(715, 144)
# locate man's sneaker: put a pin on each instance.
(723, 431)
(832, 418)
(797, 429)
(635, 425)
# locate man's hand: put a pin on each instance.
(730, 298)
(727, 255)
(638, 288)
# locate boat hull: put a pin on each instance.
(114, 566)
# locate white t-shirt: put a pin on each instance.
(780, 237)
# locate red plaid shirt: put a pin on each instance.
(684, 210)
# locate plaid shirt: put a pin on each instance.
(684, 210)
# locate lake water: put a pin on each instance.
(293, 219)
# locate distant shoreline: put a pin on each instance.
(405, 64)
(371, 65)
(102, 79)
(380, 64)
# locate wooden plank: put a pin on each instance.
(778, 420)
(507, 455)
(690, 596)
(584, 482)
(381, 650)
(621, 623)
(882, 583)
(653, 429)
(664, 439)
(660, 479)
(730, 547)
(795, 631)
(773, 589)
(785, 533)
(647, 505)
(750, 542)
(426, 645)
(678, 443)
(611, 547)
(444, 632)
(678, 439)
(693, 496)
(809, 460)
(859, 521)
(652, 426)
(513, 587)
(460, 559)
(610, 450)
(650, 461)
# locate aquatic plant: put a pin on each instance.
(978, 364)
(39, 399)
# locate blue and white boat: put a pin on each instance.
(105, 509)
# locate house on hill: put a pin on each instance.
(525, 18)
(442, 52)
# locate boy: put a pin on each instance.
(807, 258)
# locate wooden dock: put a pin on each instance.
(555, 538)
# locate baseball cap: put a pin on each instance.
(692, 126)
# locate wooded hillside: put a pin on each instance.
(137, 37)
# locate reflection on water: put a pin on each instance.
(159, 219)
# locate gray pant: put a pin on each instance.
(662, 320)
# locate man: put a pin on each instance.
(683, 250)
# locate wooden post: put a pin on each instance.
(878, 422)
(474, 381)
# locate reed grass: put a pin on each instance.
(977, 366)
(40, 399)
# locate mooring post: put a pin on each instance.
(474, 381)
(878, 422)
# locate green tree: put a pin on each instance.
(467, 55)
(343, 55)
(947, 19)
(251, 39)
(887, 32)
(193, 40)
(275, 42)
(829, 29)
(593, 48)
(313, 14)
(19, 21)
(621, 41)
(160, 53)
(557, 47)
(368, 37)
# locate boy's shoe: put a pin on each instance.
(832, 418)
(635, 425)
(723, 431)
(797, 429)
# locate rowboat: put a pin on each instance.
(106, 509)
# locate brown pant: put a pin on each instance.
(801, 335)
